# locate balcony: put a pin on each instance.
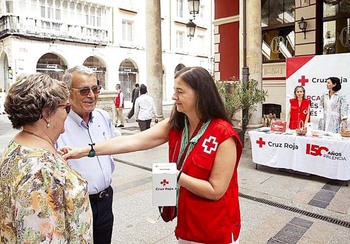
(39, 28)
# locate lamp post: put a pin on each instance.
(191, 28)
(245, 68)
(302, 26)
(193, 7)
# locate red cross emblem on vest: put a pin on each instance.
(210, 144)
(261, 142)
(164, 182)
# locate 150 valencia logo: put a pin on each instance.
(317, 150)
(311, 149)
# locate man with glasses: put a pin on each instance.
(86, 125)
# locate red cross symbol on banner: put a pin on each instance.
(303, 80)
(164, 182)
(210, 144)
(261, 142)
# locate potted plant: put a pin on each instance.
(238, 97)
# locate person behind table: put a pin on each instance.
(42, 199)
(208, 204)
(145, 109)
(134, 94)
(85, 125)
(299, 112)
(335, 107)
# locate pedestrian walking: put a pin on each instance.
(134, 94)
(145, 109)
(119, 106)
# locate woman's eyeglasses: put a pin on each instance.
(84, 91)
(66, 107)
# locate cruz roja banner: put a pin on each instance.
(312, 72)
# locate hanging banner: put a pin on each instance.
(312, 72)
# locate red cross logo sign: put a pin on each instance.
(210, 144)
(164, 182)
(303, 80)
(261, 142)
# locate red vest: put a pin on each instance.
(199, 219)
(117, 101)
(297, 113)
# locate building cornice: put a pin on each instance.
(226, 20)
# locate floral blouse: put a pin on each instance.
(334, 110)
(42, 199)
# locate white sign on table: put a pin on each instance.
(326, 157)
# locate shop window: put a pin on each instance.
(336, 26)
(127, 77)
(277, 17)
(99, 68)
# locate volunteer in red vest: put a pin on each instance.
(119, 105)
(299, 112)
(208, 206)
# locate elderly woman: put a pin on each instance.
(42, 199)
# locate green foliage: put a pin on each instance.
(238, 96)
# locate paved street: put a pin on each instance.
(277, 206)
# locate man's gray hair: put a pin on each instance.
(67, 77)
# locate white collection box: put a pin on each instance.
(164, 184)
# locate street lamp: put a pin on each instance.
(302, 26)
(193, 7)
(191, 28)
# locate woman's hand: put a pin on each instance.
(71, 152)
(344, 124)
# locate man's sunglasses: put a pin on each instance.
(84, 91)
(66, 107)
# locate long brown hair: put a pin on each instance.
(210, 104)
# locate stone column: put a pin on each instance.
(154, 69)
(254, 56)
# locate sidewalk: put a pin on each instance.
(275, 204)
